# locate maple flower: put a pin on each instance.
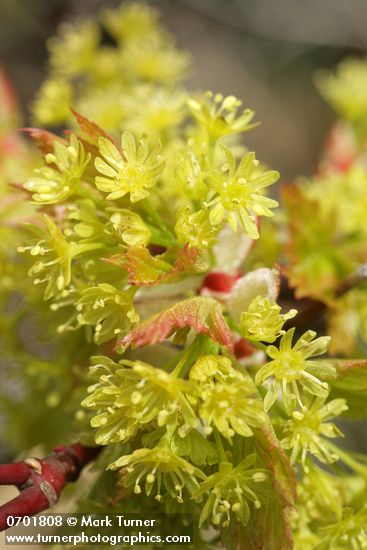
(132, 393)
(55, 183)
(226, 397)
(231, 489)
(154, 59)
(291, 369)
(53, 100)
(307, 430)
(237, 193)
(128, 227)
(133, 21)
(161, 467)
(73, 51)
(195, 228)
(57, 255)
(108, 309)
(133, 171)
(219, 114)
(262, 321)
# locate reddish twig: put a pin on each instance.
(40, 481)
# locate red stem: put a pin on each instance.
(40, 481)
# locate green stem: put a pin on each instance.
(188, 357)
(156, 218)
(197, 348)
(220, 446)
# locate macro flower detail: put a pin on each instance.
(226, 398)
(237, 193)
(292, 370)
(218, 114)
(307, 430)
(195, 228)
(160, 468)
(109, 310)
(133, 171)
(231, 491)
(262, 321)
(57, 255)
(128, 227)
(133, 393)
(59, 180)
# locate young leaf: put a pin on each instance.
(204, 315)
(93, 131)
(42, 139)
(147, 270)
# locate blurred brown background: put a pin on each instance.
(263, 51)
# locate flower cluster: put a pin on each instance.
(161, 467)
(137, 394)
(143, 221)
(227, 398)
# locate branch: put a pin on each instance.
(40, 481)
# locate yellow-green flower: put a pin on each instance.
(109, 310)
(104, 105)
(346, 90)
(190, 176)
(154, 110)
(218, 114)
(307, 430)
(262, 321)
(322, 494)
(195, 228)
(57, 255)
(133, 170)
(133, 393)
(86, 222)
(292, 370)
(128, 227)
(73, 51)
(226, 398)
(52, 103)
(159, 467)
(231, 489)
(154, 59)
(133, 21)
(237, 193)
(56, 182)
